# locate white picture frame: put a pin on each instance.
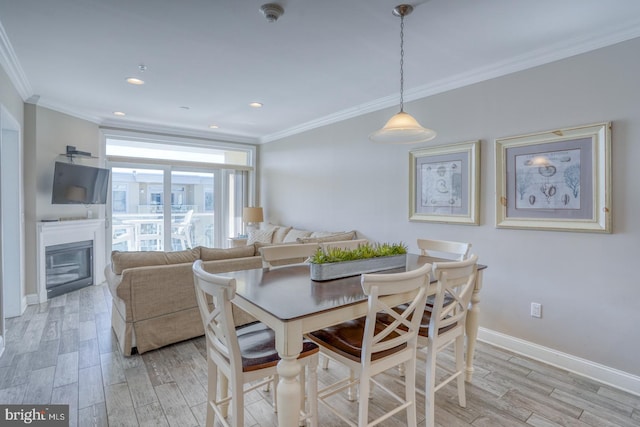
(444, 183)
(555, 180)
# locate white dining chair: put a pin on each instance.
(443, 325)
(288, 254)
(446, 327)
(242, 355)
(368, 350)
(342, 244)
(456, 251)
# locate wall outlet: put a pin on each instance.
(536, 309)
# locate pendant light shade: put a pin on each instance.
(402, 128)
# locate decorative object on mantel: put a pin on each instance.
(71, 151)
(334, 263)
(402, 128)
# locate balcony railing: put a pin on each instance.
(145, 232)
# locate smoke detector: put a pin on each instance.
(272, 11)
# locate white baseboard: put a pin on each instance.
(33, 299)
(604, 374)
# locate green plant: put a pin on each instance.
(361, 252)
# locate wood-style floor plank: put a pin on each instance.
(64, 352)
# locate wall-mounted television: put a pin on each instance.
(79, 184)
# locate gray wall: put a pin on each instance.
(333, 178)
(47, 134)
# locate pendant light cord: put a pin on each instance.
(402, 62)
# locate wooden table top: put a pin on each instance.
(289, 293)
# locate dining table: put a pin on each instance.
(289, 302)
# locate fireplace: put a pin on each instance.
(68, 267)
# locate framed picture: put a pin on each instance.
(555, 180)
(443, 183)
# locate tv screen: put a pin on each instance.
(78, 184)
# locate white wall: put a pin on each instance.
(333, 178)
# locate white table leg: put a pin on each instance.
(288, 391)
(472, 326)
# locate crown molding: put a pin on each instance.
(177, 131)
(64, 109)
(149, 128)
(12, 67)
(539, 57)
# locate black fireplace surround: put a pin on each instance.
(69, 267)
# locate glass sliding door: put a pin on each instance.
(192, 209)
(137, 206)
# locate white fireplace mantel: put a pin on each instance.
(61, 232)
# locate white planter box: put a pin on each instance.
(336, 270)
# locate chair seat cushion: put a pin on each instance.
(258, 347)
(346, 339)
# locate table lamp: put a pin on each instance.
(251, 217)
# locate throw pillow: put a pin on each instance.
(294, 234)
(280, 233)
(261, 236)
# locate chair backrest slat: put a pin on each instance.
(456, 251)
(403, 329)
(294, 252)
(457, 280)
(343, 244)
(214, 294)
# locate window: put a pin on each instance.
(119, 200)
(206, 187)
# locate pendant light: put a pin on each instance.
(402, 128)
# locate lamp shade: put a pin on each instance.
(75, 193)
(402, 129)
(252, 215)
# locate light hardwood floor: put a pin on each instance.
(64, 352)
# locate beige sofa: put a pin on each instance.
(154, 302)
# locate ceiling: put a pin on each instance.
(321, 62)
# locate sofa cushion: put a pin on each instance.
(294, 234)
(122, 260)
(261, 236)
(214, 254)
(349, 235)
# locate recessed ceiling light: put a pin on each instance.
(213, 126)
(135, 81)
(255, 104)
(185, 107)
(119, 113)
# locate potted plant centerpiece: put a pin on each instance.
(334, 263)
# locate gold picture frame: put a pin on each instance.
(555, 180)
(444, 183)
